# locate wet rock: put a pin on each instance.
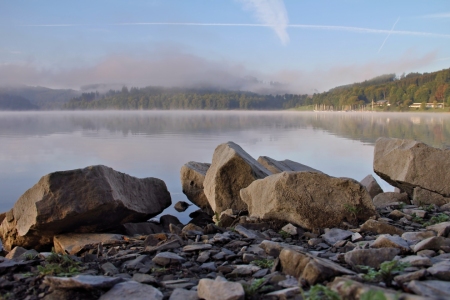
(389, 241)
(380, 228)
(384, 199)
(334, 235)
(303, 198)
(369, 257)
(441, 229)
(182, 294)
(82, 282)
(168, 258)
(430, 288)
(231, 170)
(278, 166)
(422, 196)
(74, 243)
(407, 164)
(94, 199)
(132, 290)
(192, 176)
(220, 289)
(143, 228)
(432, 243)
(372, 186)
(440, 270)
(181, 206)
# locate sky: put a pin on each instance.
(264, 46)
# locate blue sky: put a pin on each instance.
(306, 46)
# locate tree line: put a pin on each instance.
(399, 92)
(176, 98)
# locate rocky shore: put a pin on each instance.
(266, 229)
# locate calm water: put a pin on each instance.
(158, 143)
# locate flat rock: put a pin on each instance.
(192, 176)
(432, 243)
(93, 199)
(16, 253)
(196, 247)
(440, 270)
(168, 258)
(182, 294)
(384, 199)
(441, 229)
(431, 288)
(231, 170)
(334, 235)
(74, 243)
(308, 199)
(389, 241)
(417, 261)
(380, 228)
(284, 293)
(372, 186)
(132, 290)
(369, 257)
(248, 233)
(86, 282)
(274, 248)
(417, 236)
(144, 278)
(220, 289)
(407, 164)
(278, 166)
(407, 277)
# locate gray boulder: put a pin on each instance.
(192, 176)
(308, 199)
(278, 166)
(408, 164)
(371, 185)
(93, 199)
(232, 169)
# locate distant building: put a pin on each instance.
(382, 103)
(428, 105)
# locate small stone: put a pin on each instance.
(220, 289)
(244, 270)
(109, 269)
(182, 294)
(248, 258)
(418, 212)
(389, 241)
(430, 288)
(196, 247)
(441, 270)
(404, 278)
(291, 229)
(417, 236)
(81, 282)
(356, 237)
(380, 228)
(441, 229)
(397, 215)
(372, 186)
(426, 253)
(432, 243)
(248, 233)
(261, 273)
(315, 241)
(334, 235)
(417, 261)
(203, 257)
(284, 294)
(288, 282)
(168, 258)
(132, 290)
(181, 206)
(16, 253)
(144, 278)
(221, 238)
(211, 266)
(370, 257)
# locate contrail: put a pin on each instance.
(392, 29)
(305, 26)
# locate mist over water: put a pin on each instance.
(158, 143)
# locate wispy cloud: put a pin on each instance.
(300, 26)
(438, 15)
(271, 13)
(392, 29)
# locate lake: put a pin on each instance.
(158, 143)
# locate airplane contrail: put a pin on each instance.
(392, 29)
(305, 26)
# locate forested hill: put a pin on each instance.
(176, 98)
(11, 102)
(399, 92)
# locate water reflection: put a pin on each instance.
(158, 143)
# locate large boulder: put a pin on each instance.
(408, 164)
(93, 199)
(231, 170)
(278, 166)
(192, 175)
(309, 199)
